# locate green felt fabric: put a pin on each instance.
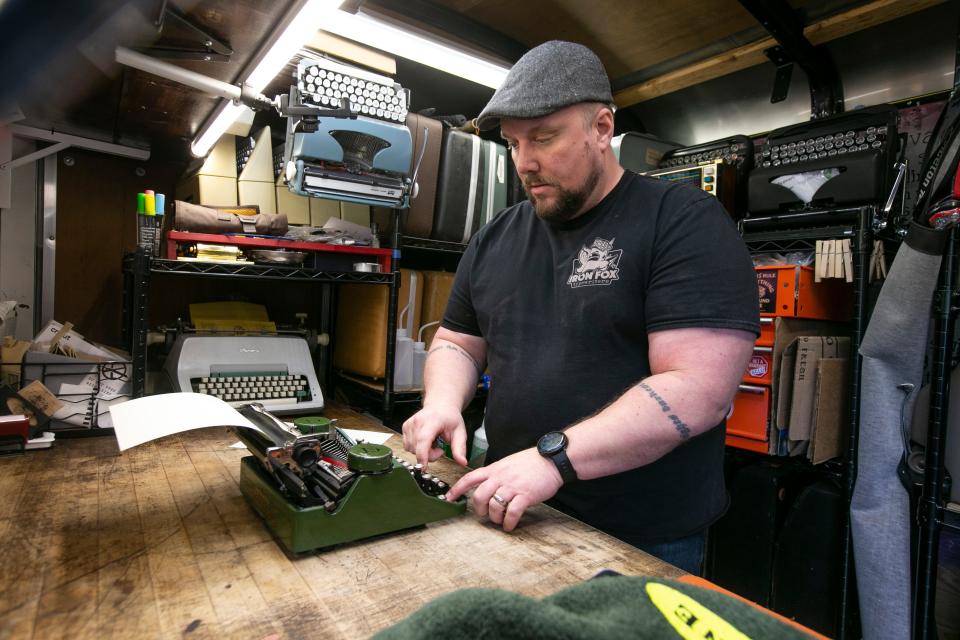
(606, 607)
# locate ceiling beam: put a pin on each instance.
(786, 27)
(837, 26)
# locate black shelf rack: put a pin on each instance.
(139, 268)
(933, 516)
(410, 242)
(260, 272)
(798, 232)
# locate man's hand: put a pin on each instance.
(508, 487)
(422, 429)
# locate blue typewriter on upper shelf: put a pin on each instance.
(346, 137)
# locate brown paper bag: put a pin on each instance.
(11, 355)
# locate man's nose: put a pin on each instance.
(525, 159)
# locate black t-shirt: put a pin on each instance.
(565, 310)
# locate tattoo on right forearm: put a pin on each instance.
(678, 424)
(463, 352)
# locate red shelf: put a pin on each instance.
(382, 256)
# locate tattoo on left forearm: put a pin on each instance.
(678, 424)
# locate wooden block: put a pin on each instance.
(847, 260)
(818, 262)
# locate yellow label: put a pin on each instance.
(692, 620)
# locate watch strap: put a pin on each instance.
(564, 466)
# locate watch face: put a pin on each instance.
(552, 442)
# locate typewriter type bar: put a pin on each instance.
(325, 84)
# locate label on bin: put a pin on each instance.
(767, 290)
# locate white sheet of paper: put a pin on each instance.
(805, 185)
(373, 437)
(145, 419)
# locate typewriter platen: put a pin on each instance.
(323, 488)
(346, 137)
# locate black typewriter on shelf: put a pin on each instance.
(840, 161)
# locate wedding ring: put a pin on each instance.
(500, 501)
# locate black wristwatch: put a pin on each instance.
(553, 445)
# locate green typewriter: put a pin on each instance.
(323, 488)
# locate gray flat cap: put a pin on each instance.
(547, 78)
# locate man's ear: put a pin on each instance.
(604, 126)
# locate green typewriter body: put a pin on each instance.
(323, 488)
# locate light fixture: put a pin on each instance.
(314, 15)
(403, 42)
(302, 23)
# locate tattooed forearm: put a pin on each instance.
(678, 424)
(460, 350)
(656, 396)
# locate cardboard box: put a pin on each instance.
(208, 190)
(810, 350)
(322, 210)
(436, 291)
(831, 410)
(215, 183)
(786, 330)
(255, 183)
(779, 333)
(360, 340)
(355, 213)
(295, 207)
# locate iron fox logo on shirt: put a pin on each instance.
(598, 264)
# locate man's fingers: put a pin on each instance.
(409, 431)
(500, 504)
(465, 483)
(483, 494)
(458, 446)
(422, 448)
(515, 511)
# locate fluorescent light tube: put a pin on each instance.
(311, 15)
(385, 36)
(227, 114)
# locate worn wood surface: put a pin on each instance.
(158, 542)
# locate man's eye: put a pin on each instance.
(542, 139)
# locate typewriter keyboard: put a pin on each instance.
(267, 389)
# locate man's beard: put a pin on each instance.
(568, 202)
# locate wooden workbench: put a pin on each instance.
(159, 543)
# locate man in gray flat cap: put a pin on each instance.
(616, 314)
